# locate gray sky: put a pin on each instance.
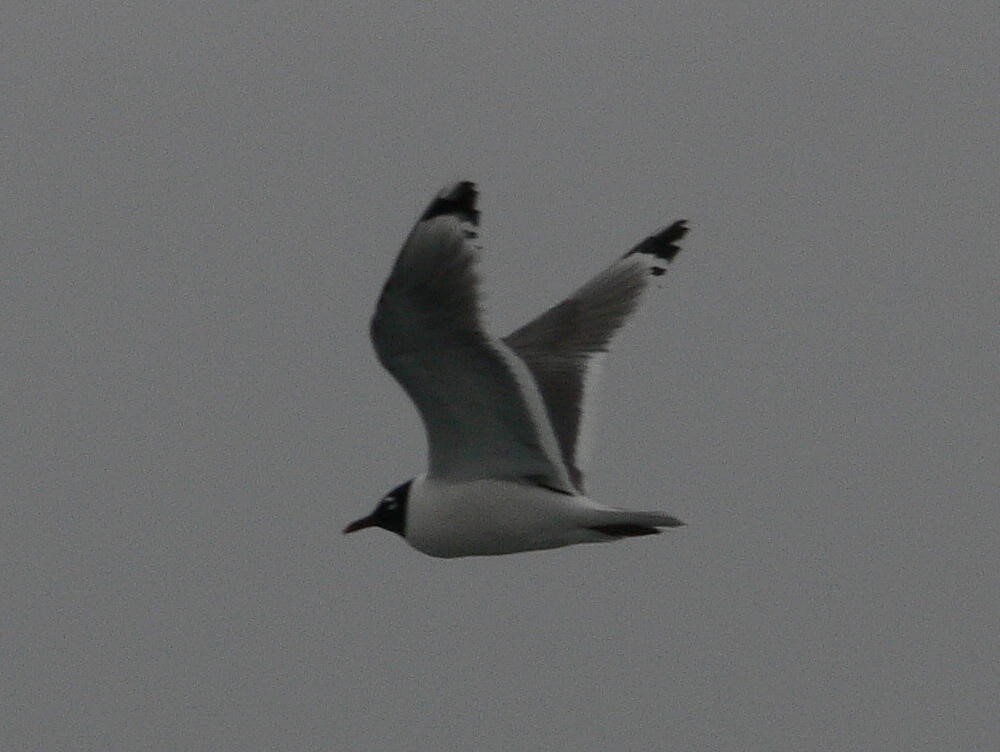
(200, 204)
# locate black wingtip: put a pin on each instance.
(663, 245)
(625, 530)
(457, 199)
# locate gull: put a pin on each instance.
(507, 420)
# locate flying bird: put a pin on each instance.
(507, 420)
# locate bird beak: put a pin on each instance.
(361, 524)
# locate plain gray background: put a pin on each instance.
(199, 205)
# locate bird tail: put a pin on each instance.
(626, 524)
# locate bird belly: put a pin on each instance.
(490, 517)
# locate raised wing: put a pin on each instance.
(563, 345)
(482, 411)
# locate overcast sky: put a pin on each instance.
(200, 203)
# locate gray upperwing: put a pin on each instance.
(560, 345)
(483, 414)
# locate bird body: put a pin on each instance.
(507, 420)
(500, 516)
